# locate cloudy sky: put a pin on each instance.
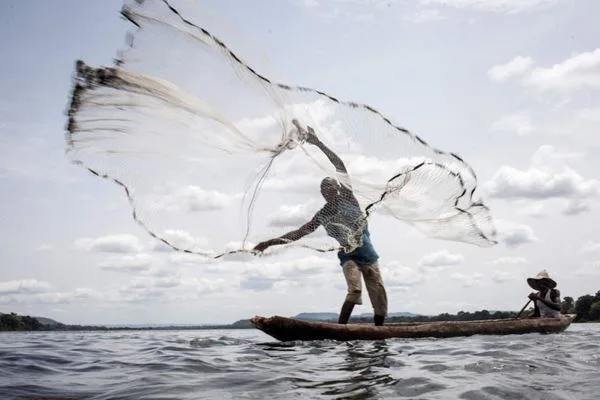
(513, 86)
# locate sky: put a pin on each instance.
(513, 86)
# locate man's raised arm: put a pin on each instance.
(334, 158)
(340, 167)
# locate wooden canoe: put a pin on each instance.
(289, 329)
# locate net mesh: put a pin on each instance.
(204, 143)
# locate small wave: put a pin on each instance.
(215, 342)
(500, 393)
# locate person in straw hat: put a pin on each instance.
(546, 300)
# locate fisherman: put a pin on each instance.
(343, 220)
(546, 300)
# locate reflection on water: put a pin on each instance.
(364, 369)
(246, 364)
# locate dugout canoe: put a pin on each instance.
(289, 329)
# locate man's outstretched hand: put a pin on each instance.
(262, 246)
(308, 134)
(311, 137)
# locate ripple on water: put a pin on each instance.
(416, 386)
(435, 367)
(500, 393)
(216, 342)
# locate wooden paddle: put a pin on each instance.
(523, 309)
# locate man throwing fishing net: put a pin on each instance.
(343, 220)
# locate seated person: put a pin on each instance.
(546, 300)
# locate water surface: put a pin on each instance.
(247, 364)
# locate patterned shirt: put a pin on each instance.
(344, 221)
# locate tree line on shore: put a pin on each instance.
(15, 322)
(587, 308)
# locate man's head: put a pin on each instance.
(330, 188)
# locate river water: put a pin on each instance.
(247, 364)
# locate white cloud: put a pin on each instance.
(24, 286)
(497, 6)
(509, 261)
(194, 260)
(581, 71)
(128, 294)
(53, 298)
(193, 199)
(206, 286)
(264, 276)
(258, 283)
(169, 288)
(425, 15)
(155, 282)
(518, 123)
(128, 263)
(441, 259)
(371, 168)
(307, 266)
(286, 286)
(511, 183)
(518, 236)
(179, 238)
(79, 295)
(516, 67)
(396, 275)
(515, 235)
(467, 280)
(271, 271)
(550, 176)
(296, 183)
(258, 127)
(124, 243)
(293, 216)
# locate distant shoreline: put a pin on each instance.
(15, 322)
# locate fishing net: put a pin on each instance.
(204, 144)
